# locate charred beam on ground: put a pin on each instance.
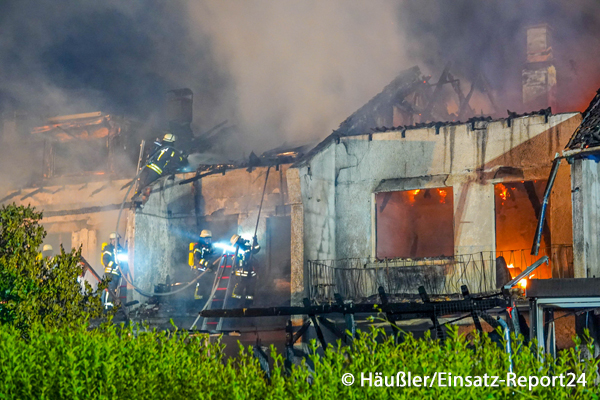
(434, 314)
(313, 317)
(467, 296)
(414, 308)
(390, 317)
(348, 317)
(331, 327)
(263, 359)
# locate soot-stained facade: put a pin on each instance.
(432, 205)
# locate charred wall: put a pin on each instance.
(225, 203)
(469, 158)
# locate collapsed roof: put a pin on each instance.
(587, 133)
(92, 125)
(409, 101)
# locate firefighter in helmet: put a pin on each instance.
(47, 252)
(199, 256)
(164, 160)
(244, 267)
(112, 266)
(46, 255)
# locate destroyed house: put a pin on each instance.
(583, 154)
(85, 144)
(227, 200)
(433, 204)
(79, 179)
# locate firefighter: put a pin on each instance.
(46, 255)
(164, 160)
(244, 267)
(110, 261)
(47, 252)
(200, 253)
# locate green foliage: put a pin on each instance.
(33, 290)
(135, 363)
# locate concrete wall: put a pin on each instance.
(586, 217)
(173, 217)
(468, 157)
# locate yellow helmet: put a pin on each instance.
(206, 233)
(234, 239)
(169, 137)
(47, 247)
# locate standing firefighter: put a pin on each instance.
(110, 261)
(244, 267)
(164, 160)
(47, 253)
(199, 256)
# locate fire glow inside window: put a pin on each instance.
(518, 205)
(415, 223)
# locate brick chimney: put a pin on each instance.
(539, 74)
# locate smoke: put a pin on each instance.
(279, 71)
(490, 36)
(299, 68)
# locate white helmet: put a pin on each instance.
(114, 235)
(234, 239)
(206, 233)
(169, 138)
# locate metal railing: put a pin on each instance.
(359, 279)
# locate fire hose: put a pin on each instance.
(258, 217)
(136, 288)
(149, 294)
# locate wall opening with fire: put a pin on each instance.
(415, 223)
(517, 206)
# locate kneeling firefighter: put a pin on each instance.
(199, 255)
(244, 267)
(164, 160)
(111, 263)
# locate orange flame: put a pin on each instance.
(443, 193)
(523, 283)
(503, 192)
(412, 194)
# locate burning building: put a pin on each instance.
(583, 154)
(431, 205)
(79, 165)
(401, 195)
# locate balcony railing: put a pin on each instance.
(359, 279)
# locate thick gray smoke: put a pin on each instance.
(280, 71)
(490, 36)
(299, 68)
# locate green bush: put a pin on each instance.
(126, 363)
(33, 290)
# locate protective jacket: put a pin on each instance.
(244, 267)
(109, 259)
(166, 159)
(200, 255)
